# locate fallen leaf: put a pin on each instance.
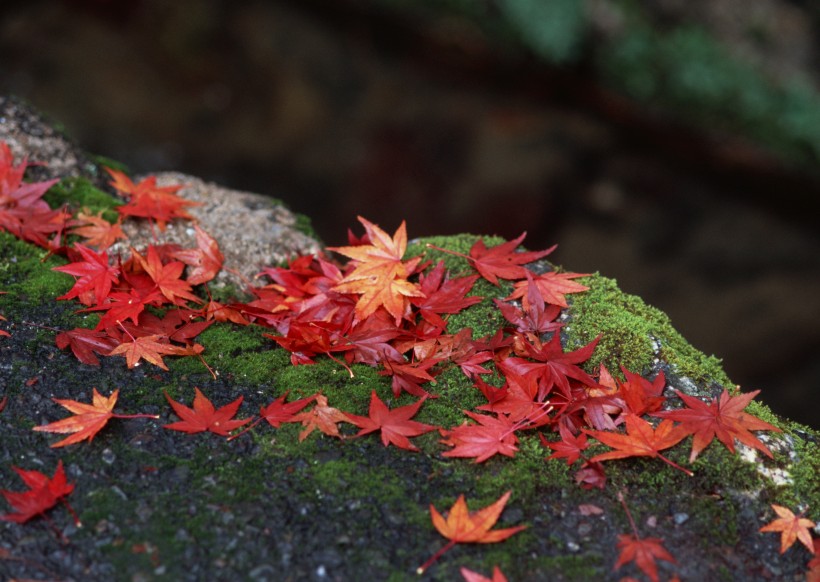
(321, 416)
(791, 527)
(723, 418)
(43, 494)
(492, 435)
(640, 440)
(463, 527)
(88, 419)
(644, 552)
(204, 417)
(395, 425)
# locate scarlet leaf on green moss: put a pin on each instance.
(395, 425)
(204, 417)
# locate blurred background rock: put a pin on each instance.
(671, 144)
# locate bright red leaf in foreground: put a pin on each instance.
(723, 418)
(462, 527)
(791, 527)
(43, 494)
(204, 417)
(88, 419)
(395, 424)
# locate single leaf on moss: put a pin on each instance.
(321, 416)
(462, 527)
(204, 417)
(395, 425)
(88, 419)
(791, 527)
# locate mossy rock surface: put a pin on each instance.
(162, 505)
(158, 504)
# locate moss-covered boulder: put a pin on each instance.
(159, 504)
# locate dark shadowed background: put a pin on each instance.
(671, 145)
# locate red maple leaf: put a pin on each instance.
(492, 435)
(552, 287)
(569, 447)
(43, 494)
(86, 343)
(640, 440)
(791, 527)
(321, 416)
(206, 259)
(463, 527)
(278, 412)
(88, 419)
(723, 418)
(147, 200)
(204, 417)
(167, 277)
(443, 295)
(552, 366)
(96, 276)
(642, 551)
(536, 318)
(97, 231)
(151, 348)
(501, 261)
(395, 425)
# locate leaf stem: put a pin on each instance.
(674, 464)
(420, 570)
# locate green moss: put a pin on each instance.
(587, 566)
(80, 194)
(629, 329)
(461, 243)
(26, 275)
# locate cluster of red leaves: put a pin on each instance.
(381, 310)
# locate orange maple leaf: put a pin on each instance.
(204, 417)
(462, 527)
(321, 416)
(641, 440)
(88, 419)
(97, 231)
(791, 527)
(147, 200)
(151, 349)
(723, 418)
(379, 275)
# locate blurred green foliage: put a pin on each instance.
(680, 68)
